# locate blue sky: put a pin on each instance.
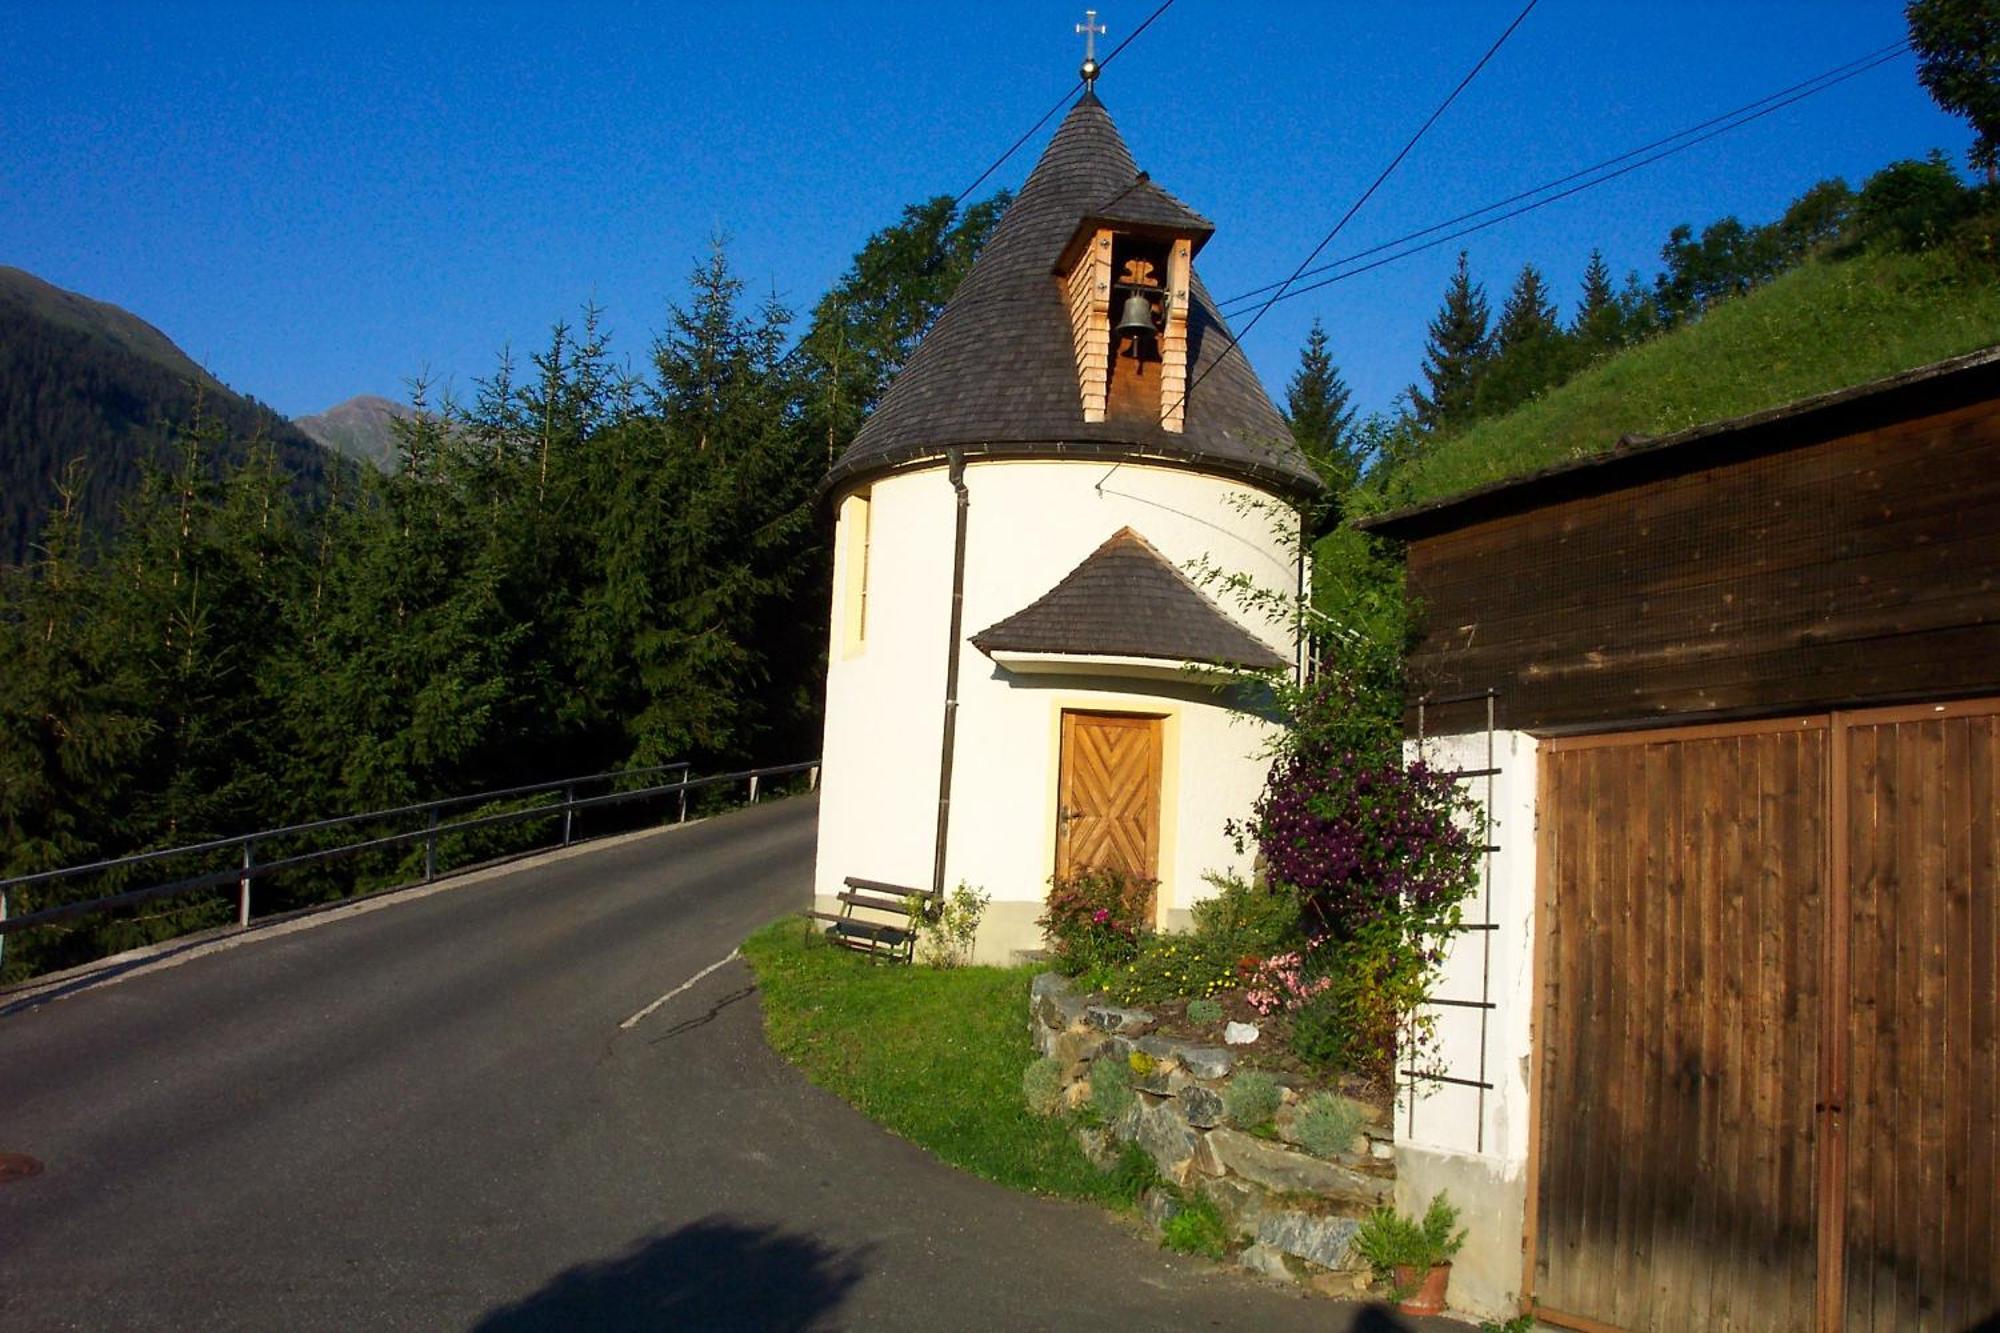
(323, 200)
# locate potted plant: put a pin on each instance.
(1415, 1254)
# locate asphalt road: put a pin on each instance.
(428, 1116)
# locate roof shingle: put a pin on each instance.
(1143, 203)
(1126, 600)
(996, 374)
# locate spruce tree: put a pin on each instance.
(73, 715)
(1529, 316)
(1599, 303)
(195, 579)
(1530, 350)
(1639, 309)
(1316, 405)
(412, 677)
(1455, 355)
(1599, 327)
(707, 543)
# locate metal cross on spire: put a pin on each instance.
(1090, 28)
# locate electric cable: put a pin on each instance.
(1061, 102)
(1495, 221)
(1838, 73)
(1355, 207)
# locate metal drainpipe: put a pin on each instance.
(1301, 643)
(955, 460)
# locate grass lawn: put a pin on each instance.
(935, 1056)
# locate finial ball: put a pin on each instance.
(1089, 71)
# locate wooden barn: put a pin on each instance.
(1722, 1045)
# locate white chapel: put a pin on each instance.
(1015, 683)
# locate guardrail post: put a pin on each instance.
(212, 880)
(243, 884)
(812, 778)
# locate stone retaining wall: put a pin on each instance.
(1296, 1213)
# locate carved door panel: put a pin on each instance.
(1108, 816)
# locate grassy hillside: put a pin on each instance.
(1824, 326)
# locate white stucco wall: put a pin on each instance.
(1444, 1139)
(1030, 523)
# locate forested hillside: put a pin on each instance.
(580, 569)
(89, 392)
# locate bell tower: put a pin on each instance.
(1126, 274)
(1089, 717)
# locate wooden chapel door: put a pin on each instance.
(1108, 794)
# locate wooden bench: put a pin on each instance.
(894, 938)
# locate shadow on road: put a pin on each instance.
(713, 1274)
(1380, 1319)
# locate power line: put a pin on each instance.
(1061, 102)
(1495, 221)
(1837, 74)
(1034, 129)
(1366, 194)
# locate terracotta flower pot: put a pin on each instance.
(1425, 1295)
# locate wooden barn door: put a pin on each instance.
(1108, 795)
(1922, 1078)
(1679, 1037)
(1769, 1041)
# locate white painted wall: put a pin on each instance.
(1030, 524)
(1443, 1140)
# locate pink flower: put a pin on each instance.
(1100, 916)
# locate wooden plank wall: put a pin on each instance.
(1860, 569)
(1770, 1034)
(1922, 1223)
(1680, 1030)
(1089, 292)
(1174, 339)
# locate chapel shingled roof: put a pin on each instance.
(1127, 600)
(997, 375)
(1144, 203)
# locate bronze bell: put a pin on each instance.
(1137, 321)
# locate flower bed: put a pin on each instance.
(1246, 1062)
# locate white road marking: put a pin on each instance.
(687, 985)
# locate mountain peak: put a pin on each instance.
(362, 428)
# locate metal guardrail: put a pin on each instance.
(250, 868)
